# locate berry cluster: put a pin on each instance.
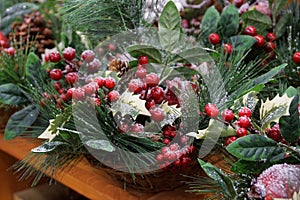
(274, 133)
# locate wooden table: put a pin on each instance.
(88, 181)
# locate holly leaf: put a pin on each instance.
(242, 42)
(169, 27)
(209, 22)
(273, 110)
(100, 145)
(228, 24)
(290, 125)
(48, 147)
(48, 134)
(20, 121)
(256, 147)
(222, 179)
(191, 55)
(131, 104)
(258, 20)
(11, 94)
(152, 53)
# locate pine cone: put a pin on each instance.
(36, 29)
(118, 66)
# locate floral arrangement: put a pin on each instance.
(160, 100)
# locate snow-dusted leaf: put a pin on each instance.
(47, 147)
(131, 104)
(100, 145)
(272, 110)
(172, 113)
(249, 100)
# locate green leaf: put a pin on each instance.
(151, 52)
(223, 180)
(257, 19)
(191, 55)
(281, 25)
(228, 23)
(255, 148)
(273, 110)
(242, 42)
(33, 69)
(20, 121)
(169, 27)
(290, 125)
(100, 145)
(248, 167)
(48, 147)
(12, 94)
(277, 6)
(291, 91)
(209, 22)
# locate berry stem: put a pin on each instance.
(291, 149)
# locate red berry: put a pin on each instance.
(227, 48)
(109, 83)
(184, 140)
(87, 56)
(97, 101)
(4, 44)
(157, 93)
(159, 158)
(78, 94)
(244, 121)
(272, 55)
(271, 37)
(54, 56)
(69, 53)
(135, 85)
(47, 57)
(56, 74)
(238, 3)
(137, 128)
(191, 149)
(270, 46)
(274, 133)
(10, 51)
(228, 115)
(113, 96)
(211, 110)
(70, 93)
(260, 41)
(250, 30)
(111, 47)
(71, 77)
(214, 38)
(240, 132)
(152, 79)
(90, 89)
(244, 111)
(57, 86)
(229, 140)
(174, 147)
(141, 73)
(157, 114)
(166, 141)
(94, 66)
(99, 81)
(299, 109)
(63, 97)
(143, 60)
(149, 104)
(296, 58)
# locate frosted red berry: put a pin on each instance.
(250, 30)
(211, 110)
(159, 158)
(141, 72)
(78, 94)
(260, 41)
(149, 104)
(113, 96)
(89, 89)
(214, 38)
(244, 111)
(270, 46)
(137, 128)
(296, 58)
(271, 37)
(157, 114)
(228, 115)
(54, 56)
(99, 81)
(143, 60)
(87, 56)
(97, 101)
(56, 74)
(152, 80)
(157, 93)
(71, 77)
(244, 122)
(57, 86)
(230, 139)
(227, 48)
(135, 85)
(240, 132)
(10, 51)
(166, 141)
(69, 53)
(109, 83)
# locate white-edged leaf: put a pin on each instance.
(100, 145)
(48, 134)
(47, 147)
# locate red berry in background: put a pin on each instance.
(166, 141)
(135, 85)
(71, 77)
(271, 37)
(56, 74)
(244, 111)
(272, 55)
(299, 108)
(260, 41)
(274, 133)
(4, 44)
(69, 53)
(90, 89)
(227, 48)
(211, 110)
(157, 114)
(111, 47)
(137, 128)
(141, 73)
(185, 23)
(10, 51)
(214, 38)
(250, 30)
(229, 140)
(244, 122)
(54, 56)
(238, 3)
(184, 140)
(87, 56)
(149, 104)
(47, 58)
(70, 93)
(94, 66)
(270, 46)
(143, 60)
(240, 132)
(228, 115)
(113, 96)
(296, 58)
(64, 97)
(78, 94)
(280, 181)
(152, 79)
(157, 93)
(57, 86)
(109, 83)
(97, 101)
(159, 158)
